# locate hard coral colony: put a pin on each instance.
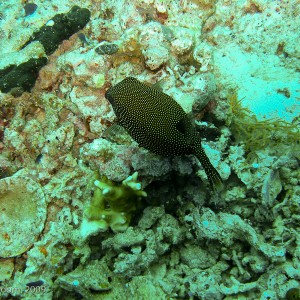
(113, 205)
(103, 112)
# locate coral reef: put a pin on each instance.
(86, 213)
(21, 77)
(112, 205)
(59, 28)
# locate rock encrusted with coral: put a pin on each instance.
(75, 220)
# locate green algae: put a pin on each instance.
(260, 134)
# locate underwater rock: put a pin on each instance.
(174, 250)
(104, 156)
(6, 268)
(86, 279)
(198, 90)
(22, 76)
(182, 41)
(153, 45)
(227, 227)
(271, 188)
(64, 25)
(150, 216)
(144, 288)
(23, 213)
(107, 48)
(203, 54)
(152, 166)
(155, 57)
(204, 285)
(146, 246)
(196, 257)
(238, 287)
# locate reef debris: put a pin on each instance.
(23, 214)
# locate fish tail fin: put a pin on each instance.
(212, 174)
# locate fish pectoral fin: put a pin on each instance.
(115, 132)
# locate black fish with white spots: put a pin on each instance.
(158, 123)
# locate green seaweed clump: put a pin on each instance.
(259, 134)
(113, 205)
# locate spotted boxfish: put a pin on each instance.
(158, 123)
